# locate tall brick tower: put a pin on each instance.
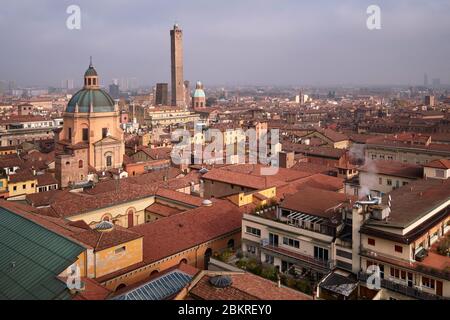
(176, 37)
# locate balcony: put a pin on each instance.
(273, 222)
(413, 292)
(310, 260)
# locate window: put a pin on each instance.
(428, 283)
(70, 134)
(440, 173)
(15, 188)
(389, 182)
(32, 185)
(104, 132)
(85, 134)
(251, 249)
(253, 231)
(399, 249)
(24, 186)
(80, 164)
(291, 242)
(380, 180)
(269, 259)
(371, 242)
(108, 161)
(120, 250)
(321, 253)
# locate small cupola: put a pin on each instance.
(91, 80)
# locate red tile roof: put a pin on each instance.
(102, 240)
(162, 210)
(245, 286)
(315, 202)
(439, 164)
(393, 168)
(180, 232)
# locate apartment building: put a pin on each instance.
(382, 176)
(407, 148)
(305, 233)
(403, 235)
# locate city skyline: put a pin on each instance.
(304, 44)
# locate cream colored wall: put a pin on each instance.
(119, 212)
(412, 157)
(387, 248)
(371, 180)
(431, 173)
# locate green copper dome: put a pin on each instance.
(101, 101)
(91, 72)
(199, 92)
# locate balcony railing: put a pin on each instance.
(326, 264)
(413, 292)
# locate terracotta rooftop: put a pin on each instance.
(245, 286)
(315, 202)
(439, 164)
(102, 240)
(411, 202)
(162, 209)
(180, 232)
(393, 168)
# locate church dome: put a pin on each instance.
(199, 92)
(91, 98)
(91, 72)
(100, 100)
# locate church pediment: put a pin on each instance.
(107, 141)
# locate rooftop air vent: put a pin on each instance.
(221, 281)
(104, 226)
(207, 203)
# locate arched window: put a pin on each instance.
(80, 164)
(230, 244)
(184, 261)
(120, 287)
(154, 272)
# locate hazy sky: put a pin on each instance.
(279, 42)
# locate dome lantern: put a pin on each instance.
(91, 77)
(91, 99)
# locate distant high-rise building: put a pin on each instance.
(425, 80)
(114, 91)
(436, 82)
(430, 101)
(68, 84)
(176, 37)
(162, 94)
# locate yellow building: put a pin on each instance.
(21, 184)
